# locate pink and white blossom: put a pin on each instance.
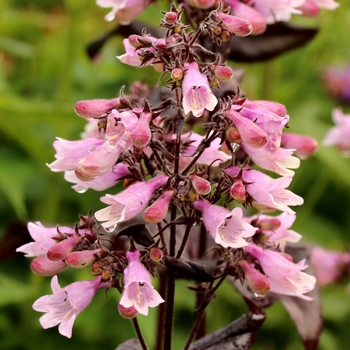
(227, 228)
(270, 193)
(285, 277)
(328, 264)
(43, 239)
(138, 289)
(339, 135)
(197, 95)
(124, 11)
(125, 205)
(65, 304)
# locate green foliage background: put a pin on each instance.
(44, 70)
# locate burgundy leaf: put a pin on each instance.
(131, 344)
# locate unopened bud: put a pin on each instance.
(45, 267)
(257, 282)
(95, 108)
(155, 254)
(238, 192)
(173, 39)
(141, 134)
(304, 146)
(170, 17)
(177, 74)
(78, 260)
(158, 210)
(60, 250)
(134, 41)
(200, 185)
(193, 196)
(223, 73)
(127, 312)
(215, 83)
(178, 28)
(235, 25)
(217, 30)
(96, 268)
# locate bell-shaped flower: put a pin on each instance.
(285, 276)
(227, 228)
(69, 153)
(65, 304)
(197, 94)
(124, 11)
(339, 135)
(42, 237)
(270, 194)
(279, 160)
(138, 289)
(125, 205)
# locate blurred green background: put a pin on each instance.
(44, 70)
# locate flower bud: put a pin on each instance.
(304, 146)
(257, 282)
(237, 192)
(96, 268)
(235, 25)
(223, 73)
(60, 250)
(217, 30)
(309, 9)
(170, 17)
(95, 108)
(158, 210)
(78, 260)
(141, 134)
(177, 74)
(127, 312)
(45, 267)
(156, 254)
(200, 185)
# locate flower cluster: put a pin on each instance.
(176, 179)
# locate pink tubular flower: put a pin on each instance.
(339, 135)
(328, 264)
(235, 25)
(278, 160)
(337, 80)
(65, 304)
(123, 10)
(209, 155)
(197, 95)
(249, 132)
(107, 180)
(270, 194)
(276, 228)
(131, 56)
(125, 205)
(138, 289)
(246, 12)
(285, 277)
(256, 281)
(304, 146)
(45, 267)
(227, 228)
(43, 240)
(95, 108)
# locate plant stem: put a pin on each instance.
(139, 334)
